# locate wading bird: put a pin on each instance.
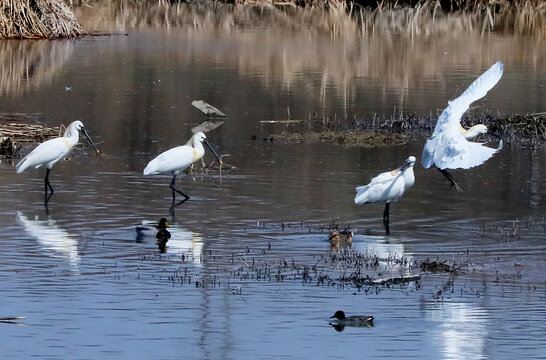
(51, 151)
(388, 186)
(339, 320)
(179, 158)
(449, 148)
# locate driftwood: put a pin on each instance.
(207, 109)
(15, 129)
(397, 280)
(27, 132)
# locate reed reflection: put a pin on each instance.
(52, 238)
(29, 64)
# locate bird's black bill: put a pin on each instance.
(90, 141)
(214, 152)
(498, 136)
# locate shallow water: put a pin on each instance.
(87, 288)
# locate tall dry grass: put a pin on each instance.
(338, 17)
(37, 19)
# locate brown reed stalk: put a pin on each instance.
(37, 19)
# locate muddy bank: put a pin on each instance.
(341, 137)
(526, 129)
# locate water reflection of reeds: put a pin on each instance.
(399, 48)
(27, 64)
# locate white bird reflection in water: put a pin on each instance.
(388, 253)
(52, 238)
(184, 242)
(377, 245)
(462, 329)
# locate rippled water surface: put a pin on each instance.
(248, 272)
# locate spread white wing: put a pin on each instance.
(478, 89)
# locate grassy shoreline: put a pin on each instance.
(524, 129)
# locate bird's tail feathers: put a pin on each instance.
(149, 169)
(22, 165)
(361, 196)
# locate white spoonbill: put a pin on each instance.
(51, 151)
(388, 186)
(449, 148)
(179, 158)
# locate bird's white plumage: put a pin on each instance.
(448, 148)
(388, 186)
(51, 151)
(179, 158)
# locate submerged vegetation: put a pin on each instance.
(346, 267)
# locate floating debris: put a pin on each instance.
(207, 109)
(436, 267)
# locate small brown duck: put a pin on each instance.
(339, 320)
(339, 239)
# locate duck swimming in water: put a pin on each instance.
(340, 239)
(339, 320)
(161, 232)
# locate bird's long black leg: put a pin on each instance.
(448, 176)
(186, 197)
(47, 184)
(386, 218)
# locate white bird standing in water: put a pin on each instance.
(51, 151)
(179, 158)
(449, 148)
(388, 186)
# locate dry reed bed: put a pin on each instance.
(334, 16)
(49, 19)
(18, 127)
